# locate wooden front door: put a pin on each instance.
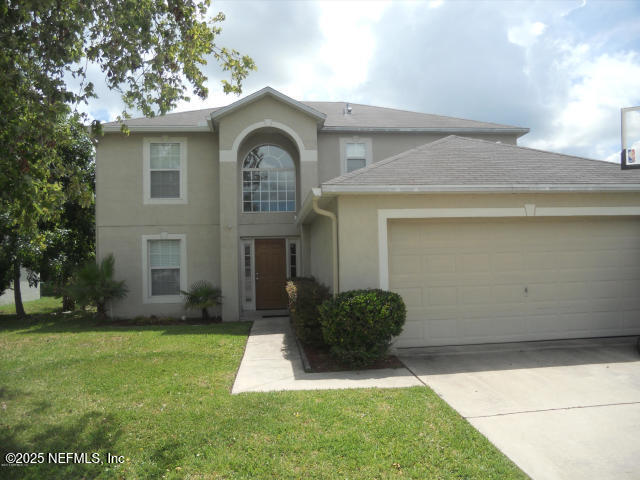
(271, 273)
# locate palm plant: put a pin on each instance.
(202, 295)
(93, 284)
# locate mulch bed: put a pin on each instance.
(321, 361)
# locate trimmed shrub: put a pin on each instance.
(305, 296)
(358, 325)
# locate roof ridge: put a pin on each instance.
(415, 112)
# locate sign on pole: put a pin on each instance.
(630, 154)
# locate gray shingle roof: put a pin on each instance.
(362, 117)
(193, 118)
(367, 116)
(461, 162)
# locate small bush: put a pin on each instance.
(305, 296)
(93, 284)
(358, 325)
(200, 296)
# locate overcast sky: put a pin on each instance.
(562, 68)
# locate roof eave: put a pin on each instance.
(330, 189)
(307, 206)
(157, 128)
(267, 91)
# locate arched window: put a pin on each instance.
(268, 180)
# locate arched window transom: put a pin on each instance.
(268, 180)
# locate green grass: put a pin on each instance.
(44, 305)
(160, 396)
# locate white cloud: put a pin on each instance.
(564, 69)
(349, 42)
(588, 117)
(526, 34)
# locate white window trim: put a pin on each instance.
(368, 144)
(146, 280)
(146, 171)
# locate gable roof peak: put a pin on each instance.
(267, 92)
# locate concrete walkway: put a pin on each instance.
(272, 362)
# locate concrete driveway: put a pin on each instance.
(559, 410)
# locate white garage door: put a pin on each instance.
(470, 281)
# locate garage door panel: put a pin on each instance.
(507, 261)
(442, 296)
(629, 319)
(477, 281)
(508, 293)
(412, 296)
(541, 261)
(472, 263)
(445, 263)
(406, 264)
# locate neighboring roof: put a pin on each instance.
(330, 116)
(457, 164)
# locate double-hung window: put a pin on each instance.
(356, 156)
(355, 153)
(164, 267)
(165, 168)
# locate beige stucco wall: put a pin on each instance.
(358, 222)
(126, 245)
(122, 217)
(238, 131)
(320, 255)
(384, 145)
(119, 182)
(267, 108)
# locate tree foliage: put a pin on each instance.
(151, 51)
(69, 242)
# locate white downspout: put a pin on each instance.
(334, 235)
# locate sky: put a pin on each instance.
(564, 69)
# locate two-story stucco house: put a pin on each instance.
(486, 241)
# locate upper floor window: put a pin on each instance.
(268, 180)
(356, 156)
(355, 153)
(165, 170)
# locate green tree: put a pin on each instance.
(69, 242)
(151, 51)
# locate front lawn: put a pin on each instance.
(159, 396)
